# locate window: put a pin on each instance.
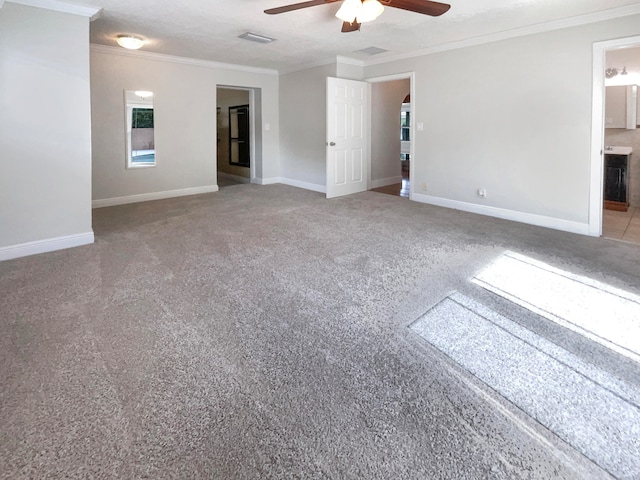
(405, 122)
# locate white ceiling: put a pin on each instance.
(209, 29)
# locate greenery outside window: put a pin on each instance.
(140, 130)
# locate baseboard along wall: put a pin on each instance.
(145, 197)
(46, 245)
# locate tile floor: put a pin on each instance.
(622, 225)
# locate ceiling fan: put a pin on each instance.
(355, 12)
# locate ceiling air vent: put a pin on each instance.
(371, 51)
(254, 37)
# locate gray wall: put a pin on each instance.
(45, 126)
(185, 121)
(303, 123)
(386, 103)
(513, 117)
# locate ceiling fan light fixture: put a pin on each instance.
(369, 11)
(349, 10)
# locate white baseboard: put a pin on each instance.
(294, 183)
(307, 186)
(513, 215)
(383, 182)
(266, 181)
(43, 246)
(145, 197)
(237, 178)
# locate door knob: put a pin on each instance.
(332, 144)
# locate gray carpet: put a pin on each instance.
(594, 412)
(261, 332)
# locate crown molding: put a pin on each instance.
(327, 61)
(161, 57)
(349, 61)
(307, 66)
(60, 6)
(513, 33)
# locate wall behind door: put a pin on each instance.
(386, 102)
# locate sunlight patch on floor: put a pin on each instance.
(596, 310)
(594, 412)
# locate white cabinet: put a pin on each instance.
(621, 106)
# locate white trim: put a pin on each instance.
(265, 181)
(161, 57)
(293, 183)
(383, 182)
(597, 129)
(513, 215)
(349, 61)
(513, 33)
(306, 185)
(43, 246)
(307, 66)
(64, 7)
(231, 176)
(145, 197)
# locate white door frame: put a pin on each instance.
(412, 128)
(252, 128)
(597, 128)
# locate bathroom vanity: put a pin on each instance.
(616, 178)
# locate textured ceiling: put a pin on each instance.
(209, 29)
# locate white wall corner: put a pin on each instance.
(292, 183)
(64, 7)
(349, 61)
(306, 185)
(47, 245)
(265, 181)
(513, 215)
(146, 197)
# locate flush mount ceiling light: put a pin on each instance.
(254, 37)
(130, 42)
(612, 72)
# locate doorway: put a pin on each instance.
(238, 132)
(616, 70)
(392, 134)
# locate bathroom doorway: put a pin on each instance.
(621, 152)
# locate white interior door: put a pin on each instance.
(347, 136)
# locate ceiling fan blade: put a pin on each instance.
(350, 27)
(426, 7)
(297, 6)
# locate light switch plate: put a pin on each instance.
(420, 126)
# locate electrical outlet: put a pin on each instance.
(424, 186)
(482, 193)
